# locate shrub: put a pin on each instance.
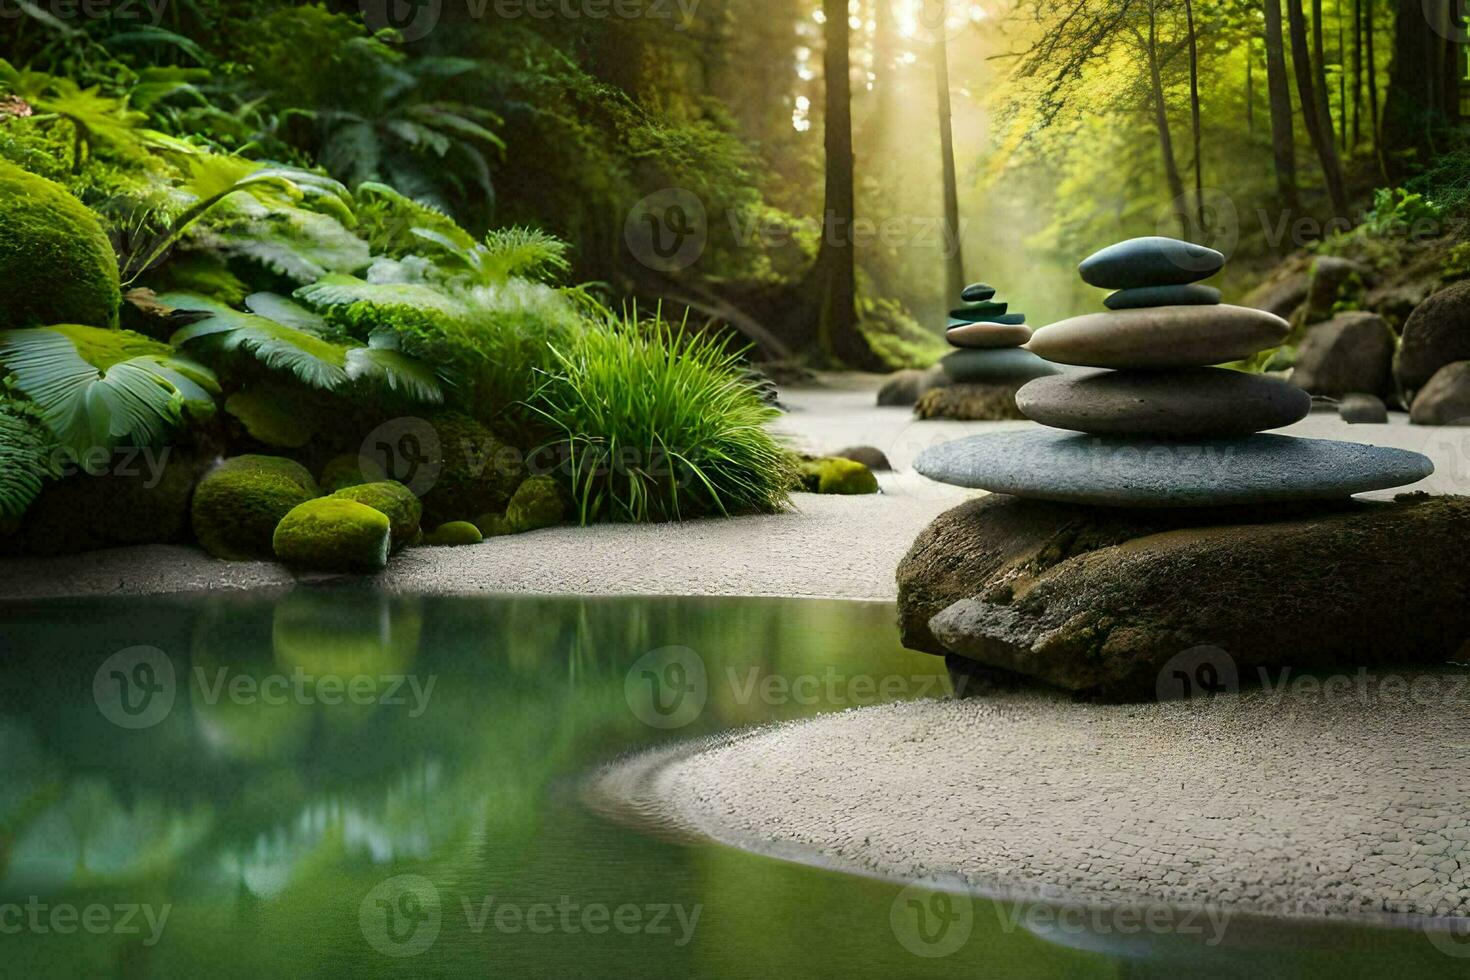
(657, 425)
(392, 499)
(330, 534)
(55, 259)
(238, 504)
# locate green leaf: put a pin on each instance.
(99, 387)
(315, 361)
(28, 456)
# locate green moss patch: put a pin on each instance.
(537, 503)
(395, 501)
(238, 504)
(331, 534)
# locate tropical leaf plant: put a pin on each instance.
(28, 456)
(284, 336)
(96, 387)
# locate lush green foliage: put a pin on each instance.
(659, 425)
(28, 456)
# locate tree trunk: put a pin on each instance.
(1357, 72)
(1278, 91)
(832, 282)
(1250, 91)
(1319, 79)
(1161, 120)
(1422, 91)
(1199, 180)
(1342, 100)
(1369, 15)
(954, 262)
(1313, 109)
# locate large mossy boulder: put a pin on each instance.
(453, 534)
(538, 503)
(1099, 600)
(836, 475)
(477, 471)
(392, 499)
(129, 497)
(55, 260)
(1435, 334)
(332, 534)
(972, 402)
(238, 504)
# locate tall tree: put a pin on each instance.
(832, 281)
(1161, 120)
(1313, 107)
(954, 262)
(1357, 72)
(1423, 82)
(1199, 180)
(1369, 14)
(1283, 136)
(1319, 80)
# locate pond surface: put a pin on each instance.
(335, 782)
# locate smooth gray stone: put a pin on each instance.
(977, 292)
(975, 312)
(1193, 402)
(1010, 319)
(988, 335)
(1363, 409)
(1114, 471)
(1192, 294)
(1161, 337)
(1006, 364)
(1152, 261)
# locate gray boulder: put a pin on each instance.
(1445, 400)
(1333, 278)
(1361, 409)
(1351, 352)
(1437, 333)
(1104, 602)
(870, 456)
(901, 388)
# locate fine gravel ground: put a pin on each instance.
(825, 547)
(1346, 800)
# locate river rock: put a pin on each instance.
(1153, 261)
(901, 387)
(988, 335)
(978, 312)
(977, 292)
(1191, 294)
(870, 456)
(995, 365)
(986, 401)
(1162, 337)
(1359, 408)
(1108, 602)
(1008, 319)
(1117, 471)
(1435, 334)
(1445, 400)
(1351, 352)
(1186, 402)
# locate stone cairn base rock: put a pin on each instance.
(988, 366)
(1155, 443)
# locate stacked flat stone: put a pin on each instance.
(989, 341)
(1156, 425)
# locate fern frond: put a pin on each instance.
(28, 456)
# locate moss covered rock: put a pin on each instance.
(537, 503)
(332, 534)
(454, 533)
(349, 470)
(971, 402)
(238, 504)
(477, 470)
(493, 525)
(392, 499)
(834, 474)
(55, 259)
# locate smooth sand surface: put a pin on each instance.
(827, 547)
(1280, 801)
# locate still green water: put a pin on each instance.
(334, 782)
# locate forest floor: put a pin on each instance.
(826, 547)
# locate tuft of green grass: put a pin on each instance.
(655, 424)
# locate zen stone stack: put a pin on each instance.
(1155, 425)
(989, 340)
